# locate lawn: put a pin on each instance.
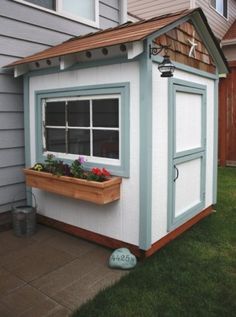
(195, 275)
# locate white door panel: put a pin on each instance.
(188, 186)
(188, 109)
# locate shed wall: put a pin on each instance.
(119, 220)
(26, 30)
(160, 147)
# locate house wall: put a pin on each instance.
(150, 8)
(26, 30)
(160, 147)
(218, 23)
(119, 220)
(230, 52)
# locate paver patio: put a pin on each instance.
(50, 273)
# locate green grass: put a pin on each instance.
(195, 275)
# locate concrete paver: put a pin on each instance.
(50, 274)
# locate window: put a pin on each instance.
(85, 11)
(86, 126)
(89, 121)
(221, 6)
(48, 4)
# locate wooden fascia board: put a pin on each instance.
(209, 41)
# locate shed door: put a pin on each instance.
(187, 132)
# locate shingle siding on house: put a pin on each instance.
(218, 23)
(26, 30)
(150, 8)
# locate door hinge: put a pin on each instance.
(204, 196)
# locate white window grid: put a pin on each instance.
(89, 158)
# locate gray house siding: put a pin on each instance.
(26, 30)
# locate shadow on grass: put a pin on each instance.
(195, 275)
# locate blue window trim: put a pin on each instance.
(177, 158)
(123, 89)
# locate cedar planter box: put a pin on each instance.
(95, 192)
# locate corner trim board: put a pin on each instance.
(145, 154)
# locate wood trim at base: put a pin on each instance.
(178, 231)
(114, 243)
(89, 235)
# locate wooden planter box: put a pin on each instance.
(96, 192)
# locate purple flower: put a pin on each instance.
(81, 159)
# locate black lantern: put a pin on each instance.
(166, 67)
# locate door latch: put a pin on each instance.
(177, 173)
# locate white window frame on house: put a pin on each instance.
(91, 158)
(60, 12)
(214, 4)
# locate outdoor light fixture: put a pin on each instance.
(165, 67)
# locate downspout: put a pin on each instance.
(123, 11)
(192, 4)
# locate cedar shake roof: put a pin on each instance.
(125, 33)
(231, 33)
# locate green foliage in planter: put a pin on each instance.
(59, 168)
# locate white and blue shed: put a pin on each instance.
(159, 134)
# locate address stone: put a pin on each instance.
(122, 259)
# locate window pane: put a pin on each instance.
(55, 140)
(106, 144)
(80, 8)
(105, 113)
(79, 142)
(55, 114)
(49, 4)
(219, 6)
(78, 113)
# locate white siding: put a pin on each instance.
(149, 8)
(160, 147)
(120, 219)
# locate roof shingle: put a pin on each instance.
(129, 32)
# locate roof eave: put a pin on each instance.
(201, 24)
